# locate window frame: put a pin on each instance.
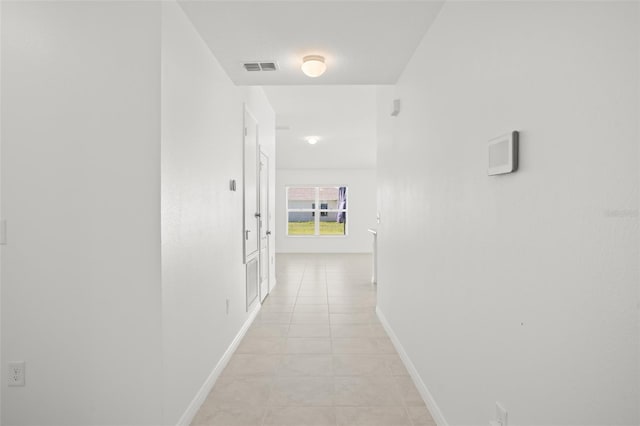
(316, 211)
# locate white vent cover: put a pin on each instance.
(252, 66)
(261, 66)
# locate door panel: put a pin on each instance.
(264, 226)
(250, 186)
(252, 280)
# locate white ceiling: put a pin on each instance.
(365, 43)
(344, 117)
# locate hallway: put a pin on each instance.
(316, 355)
(166, 163)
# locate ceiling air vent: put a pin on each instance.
(252, 66)
(268, 66)
(260, 66)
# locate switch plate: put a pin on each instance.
(16, 373)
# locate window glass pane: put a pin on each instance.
(329, 224)
(328, 198)
(301, 223)
(324, 206)
(301, 198)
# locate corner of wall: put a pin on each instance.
(638, 135)
(426, 395)
(207, 386)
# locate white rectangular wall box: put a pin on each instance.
(395, 108)
(503, 154)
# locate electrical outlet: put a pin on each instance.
(16, 373)
(227, 306)
(501, 414)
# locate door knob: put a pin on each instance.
(268, 232)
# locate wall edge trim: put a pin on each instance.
(201, 395)
(426, 395)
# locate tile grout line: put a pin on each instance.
(274, 377)
(333, 371)
(270, 409)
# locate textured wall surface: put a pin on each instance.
(520, 288)
(81, 195)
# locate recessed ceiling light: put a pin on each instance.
(313, 65)
(312, 140)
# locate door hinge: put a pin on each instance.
(245, 131)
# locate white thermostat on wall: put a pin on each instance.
(503, 154)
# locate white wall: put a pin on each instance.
(361, 207)
(202, 113)
(520, 288)
(115, 278)
(1, 359)
(81, 195)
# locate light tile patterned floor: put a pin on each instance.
(316, 355)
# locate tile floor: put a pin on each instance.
(316, 355)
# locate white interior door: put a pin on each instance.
(250, 186)
(263, 223)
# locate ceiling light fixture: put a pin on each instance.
(312, 140)
(313, 65)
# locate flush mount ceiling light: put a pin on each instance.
(312, 140)
(313, 65)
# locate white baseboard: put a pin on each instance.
(200, 397)
(417, 380)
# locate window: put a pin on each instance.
(316, 210)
